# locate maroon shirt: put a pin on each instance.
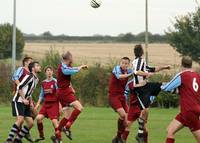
(190, 91)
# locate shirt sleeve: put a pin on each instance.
(69, 70)
(150, 69)
(17, 74)
(117, 72)
(173, 84)
(41, 97)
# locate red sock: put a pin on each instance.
(72, 118)
(170, 140)
(40, 129)
(125, 135)
(121, 128)
(146, 137)
(57, 133)
(62, 123)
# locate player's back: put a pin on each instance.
(189, 91)
(63, 81)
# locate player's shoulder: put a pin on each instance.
(54, 79)
(116, 68)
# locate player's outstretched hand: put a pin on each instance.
(168, 67)
(84, 66)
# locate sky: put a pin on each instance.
(78, 18)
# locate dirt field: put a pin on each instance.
(93, 52)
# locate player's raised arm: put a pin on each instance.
(173, 84)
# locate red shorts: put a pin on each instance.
(66, 96)
(117, 102)
(50, 110)
(189, 119)
(134, 113)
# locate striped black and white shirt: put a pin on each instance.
(27, 85)
(139, 64)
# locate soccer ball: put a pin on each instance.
(95, 3)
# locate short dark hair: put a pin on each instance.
(186, 62)
(126, 58)
(66, 55)
(25, 59)
(138, 50)
(48, 67)
(31, 65)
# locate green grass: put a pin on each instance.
(98, 125)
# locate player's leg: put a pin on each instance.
(64, 120)
(197, 135)
(173, 127)
(121, 123)
(142, 131)
(126, 132)
(25, 130)
(75, 113)
(15, 129)
(55, 125)
(40, 127)
(18, 112)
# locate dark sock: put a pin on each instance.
(125, 135)
(121, 127)
(62, 123)
(40, 129)
(57, 133)
(14, 130)
(22, 133)
(73, 117)
(170, 140)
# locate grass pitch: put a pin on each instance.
(98, 125)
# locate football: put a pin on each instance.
(95, 3)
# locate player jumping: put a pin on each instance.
(50, 107)
(66, 93)
(188, 83)
(144, 91)
(117, 101)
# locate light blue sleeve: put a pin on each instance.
(17, 74)
(41, 97)
(130, 71)
(127, 91)
(69, 70)
(173, 84)
(117, 71)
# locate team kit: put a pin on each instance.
(130, 95)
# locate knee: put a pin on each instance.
(80, 108)
(39, 119)
(30, 124)
(20, 121)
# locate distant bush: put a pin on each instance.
(5, 83)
